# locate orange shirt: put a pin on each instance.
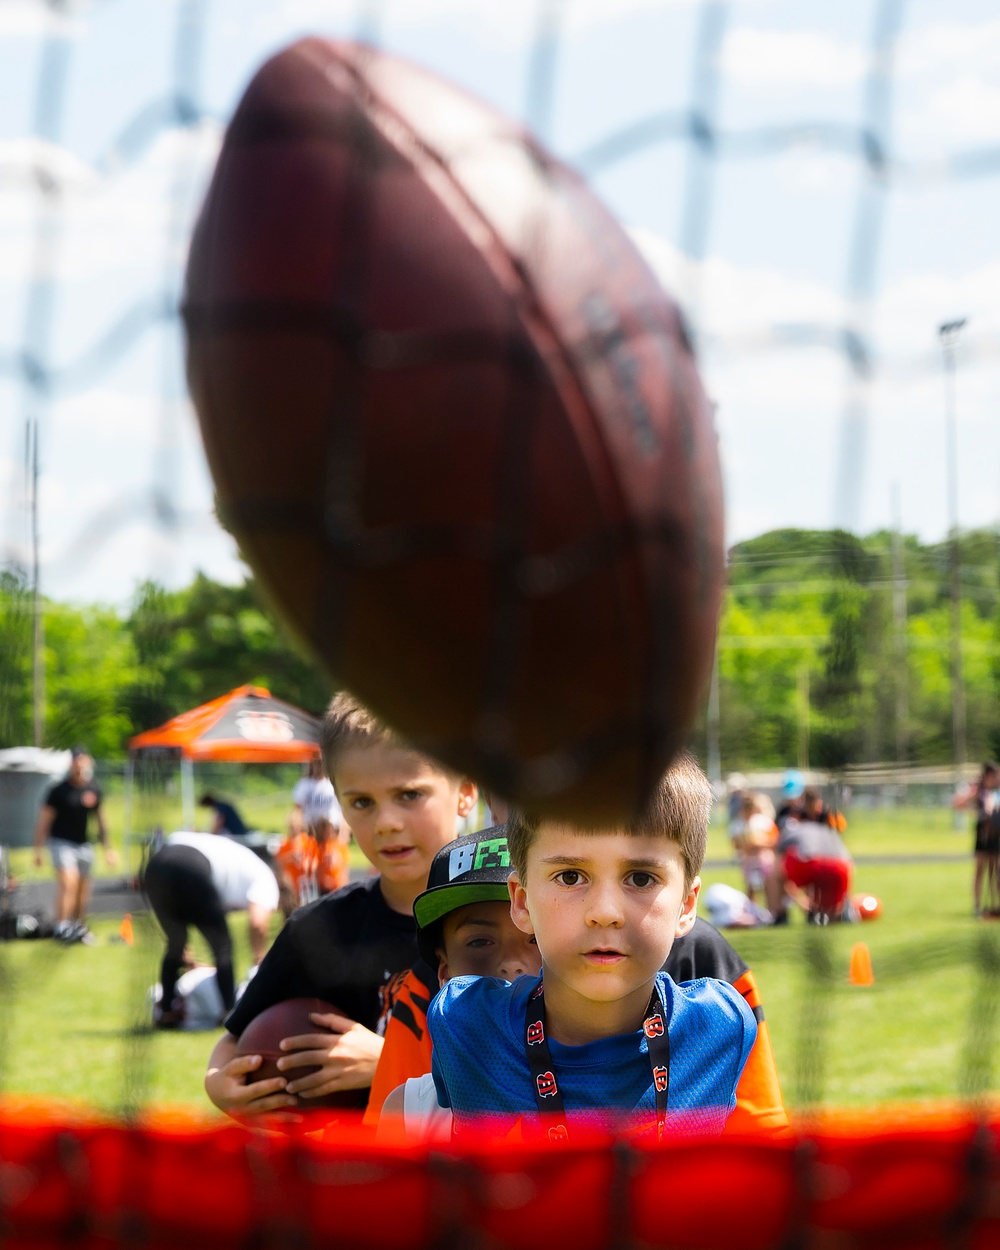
(311, 868)
(407, 1048)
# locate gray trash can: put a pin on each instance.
(25, 775)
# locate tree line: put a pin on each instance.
(834, 649)
(110, 674)
(837, 649)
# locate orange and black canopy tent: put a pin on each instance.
(246, 726)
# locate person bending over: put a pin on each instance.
(195, 879)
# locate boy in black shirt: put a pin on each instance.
(353, 947)
(62, 822)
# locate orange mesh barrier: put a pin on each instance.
(872, 1181)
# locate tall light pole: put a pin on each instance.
(948, 332)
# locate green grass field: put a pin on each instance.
(925, 1030)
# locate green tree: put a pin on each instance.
(195, 644)
(89, 664)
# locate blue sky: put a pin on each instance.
(125, 494)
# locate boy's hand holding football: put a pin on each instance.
(227, 1085)
(346, 1060)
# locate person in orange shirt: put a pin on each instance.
(313, 859)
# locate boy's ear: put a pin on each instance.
(519, 905)
(444, 974)
(689, 909)
(468, 793)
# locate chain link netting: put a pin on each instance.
(40, 375)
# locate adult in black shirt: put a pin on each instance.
(63, 822)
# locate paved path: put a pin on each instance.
(110, 895)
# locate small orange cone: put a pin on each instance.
(125, 930)
(861, 965)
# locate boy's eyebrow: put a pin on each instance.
(577, 861)
(478, 921)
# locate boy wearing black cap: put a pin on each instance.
(465, 929)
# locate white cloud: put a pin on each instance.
(942, 47)
(782, 59)
(32, 19)
(909, 312)
(947, 74)
(106, 222)
(510, 23)
(104, 413)
(965, 110)
(780, 409)
(737, 300)
(22, 160)
(110, 570)
(104, 459)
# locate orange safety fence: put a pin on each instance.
(872, 1180)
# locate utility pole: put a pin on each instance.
(899, 630)
(949, 332)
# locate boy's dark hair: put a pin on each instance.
(678, 810)
(348, 723)
(811, 795)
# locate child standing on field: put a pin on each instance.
(602, 1035)
(353, 947)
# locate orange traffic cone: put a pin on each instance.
(125, 930)
(861, 965)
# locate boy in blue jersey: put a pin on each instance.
(602, 1035)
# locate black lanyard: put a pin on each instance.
(548, 1095)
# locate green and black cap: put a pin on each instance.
(473, 869)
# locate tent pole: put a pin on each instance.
(187, 792)
(127, 833)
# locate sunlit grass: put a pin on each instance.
(920, 1032)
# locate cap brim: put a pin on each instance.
(439, 901)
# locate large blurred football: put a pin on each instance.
(264, 1034)
(455, 425)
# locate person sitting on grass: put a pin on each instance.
(354, 947)
(602, 1035)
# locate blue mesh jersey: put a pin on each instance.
(481, 1072)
